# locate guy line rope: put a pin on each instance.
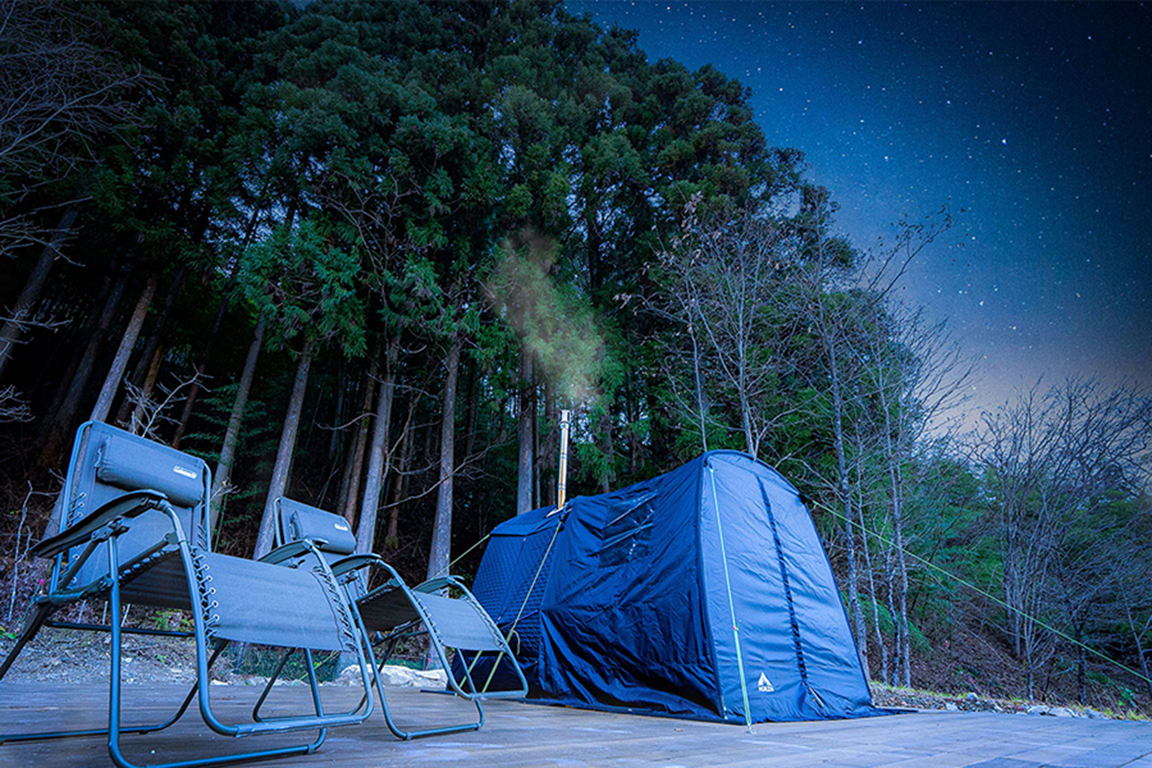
(999, 601)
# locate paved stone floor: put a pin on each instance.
(519, 734)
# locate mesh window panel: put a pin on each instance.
(528, 628)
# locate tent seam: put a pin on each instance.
(705, 612)
(731, 604)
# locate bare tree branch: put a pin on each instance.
(59, 92)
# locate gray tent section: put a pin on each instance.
(703, 593)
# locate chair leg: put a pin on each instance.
(313, 682)
(392, 726)
(472, 690)
(189, 698)
(316, 703)
(31, 627)
(203, 664)
(271, 682)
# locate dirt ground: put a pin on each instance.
(64, 656)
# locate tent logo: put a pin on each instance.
(764, 685)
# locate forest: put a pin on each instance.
(363, 253)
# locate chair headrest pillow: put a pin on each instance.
(306, 522)
(138, 464)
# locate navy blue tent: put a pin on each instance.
(702, 593)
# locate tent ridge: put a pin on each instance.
(705, 614)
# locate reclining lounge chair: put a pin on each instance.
(393, 611)
(134, 527)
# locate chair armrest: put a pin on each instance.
(437, 584)
(354, 563)
(131, 504)
(290, 551)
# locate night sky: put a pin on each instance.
(1034, 119)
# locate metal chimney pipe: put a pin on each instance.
(562, 481)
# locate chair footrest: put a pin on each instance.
(297, 724)
(517, 694)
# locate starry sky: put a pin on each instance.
(1031, 122)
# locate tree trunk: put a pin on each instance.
(202, 367)
(84, 330)
(64, 410)
(633, 434)
(472, 404)
(153, 343)
(141, 421)
(1081, 654)
(609, 453)
(846, 500)
(525, 433)
(1081, 674)
(883, 648)
(235, 421)
(354, 466)
(21, 313)
(377, 449)
(441, 552)
(593, 244)
(123, 352)
(902, 573)
(1011, 596)
(751, 443)
(896, 489)
(283, 467)
(190, 401)
(551, 449)
(871, 573)
(890, 583)
(400, 486)
(338, 411)
(698, 387)
(194, 390)
(1138, 638)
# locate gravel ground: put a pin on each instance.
(908, 698)
(64, 656)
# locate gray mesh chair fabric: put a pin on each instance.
(458, 628)
(133, 526)
(458, 624)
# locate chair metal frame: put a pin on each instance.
(105, 525)
(352, 571)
